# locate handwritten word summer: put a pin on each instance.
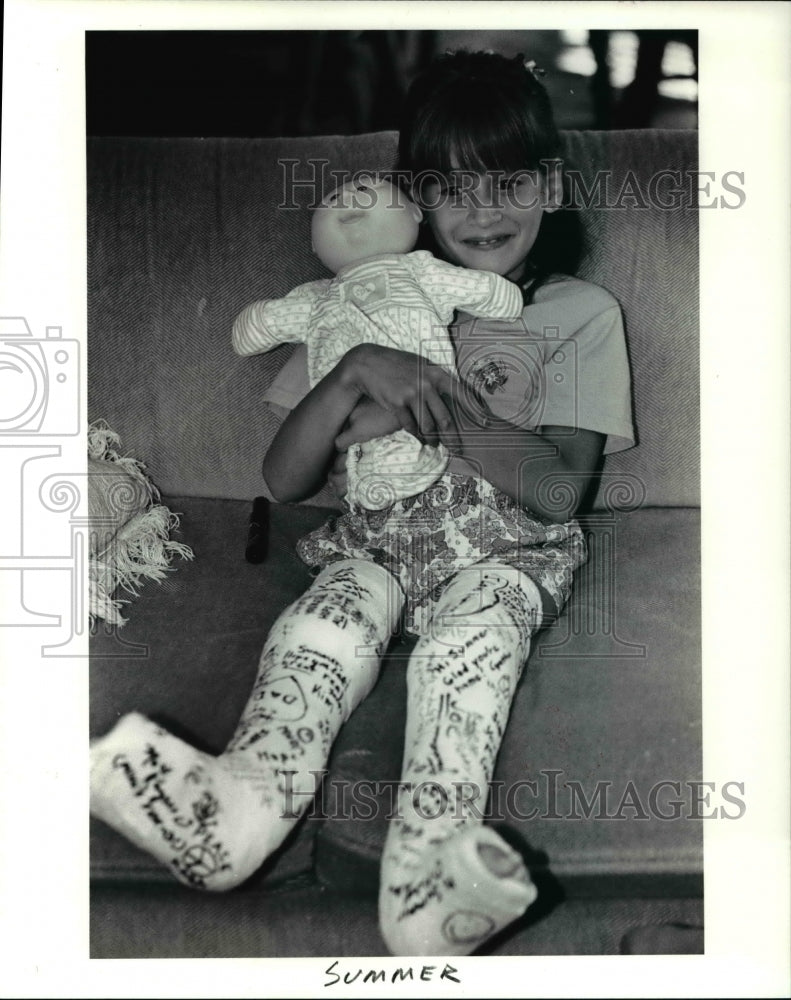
(420, 973)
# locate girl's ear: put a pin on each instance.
(552, 185)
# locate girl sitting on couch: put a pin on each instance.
(476, 563)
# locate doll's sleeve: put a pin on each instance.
(479, 293)
(263, 325)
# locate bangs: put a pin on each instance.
(476, 135)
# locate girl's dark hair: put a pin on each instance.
(483, 111)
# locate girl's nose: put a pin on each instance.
(483, 208)
(483, 215)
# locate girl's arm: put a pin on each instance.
(296, 464)
(548, 470)
(405, 386)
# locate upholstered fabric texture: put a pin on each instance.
(310, 921)
(182, 233)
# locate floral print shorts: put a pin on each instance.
(458, 521)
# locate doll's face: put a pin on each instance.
(361, 219)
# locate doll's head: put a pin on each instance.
(364, 218)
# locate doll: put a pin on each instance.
(383, 293)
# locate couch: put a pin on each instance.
(182, 233)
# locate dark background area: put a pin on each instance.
(270, 83)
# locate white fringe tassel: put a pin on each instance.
(141, 549)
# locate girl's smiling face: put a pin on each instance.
(487, 221)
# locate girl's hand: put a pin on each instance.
(405, 385)
(336, 478)
(366, 421)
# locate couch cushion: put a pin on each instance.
(183, 233)
(610, 704)
(612, 693)
(291, 921)
(647, 256)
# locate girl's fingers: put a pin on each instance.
(444, 382)
(338, 484)
(425, 418)
(337, 476)
(446, 429)
(434, 417)
(344, 439)
(409, 387)
(407, 420)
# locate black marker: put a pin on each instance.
(259, 530)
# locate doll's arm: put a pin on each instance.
(479, 293)
(263, 325)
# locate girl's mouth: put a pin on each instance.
(486, 243)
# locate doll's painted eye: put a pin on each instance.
(367, 182)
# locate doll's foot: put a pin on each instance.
(454, 897)
(211, 825)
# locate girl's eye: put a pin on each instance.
(440, 195)
(452, 193)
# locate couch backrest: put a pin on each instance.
(182, 233)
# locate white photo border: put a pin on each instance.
(745, 256)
